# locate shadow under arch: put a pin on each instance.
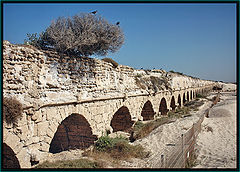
(188, 96)
(74, 132)
(163, 107)
(179, 100)
(147, 111)
(173, 105)
(9, 159)
(121, 120)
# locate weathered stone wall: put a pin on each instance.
(52, 87)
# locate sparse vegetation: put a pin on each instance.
(12, 110)
(209, 129)
(176, 72)
(109, 60)
(200, 96)
(142, 130)
(139, 83)
(191, 161)
(78, 163)
(115, 149)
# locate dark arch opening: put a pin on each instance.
(163, 107)
(179, 100)
(147, 111)
(191, 95)
(184, 99)
(9, 158)
(121, 120)
(73, 133)
(172, 105)
(187, 96)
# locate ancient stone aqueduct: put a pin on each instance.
(69, 102)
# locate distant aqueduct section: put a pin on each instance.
(69, 102)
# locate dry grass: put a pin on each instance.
(209, 129)
(142, 130)
(109, 60)
(139, 83)
(109, 151)
(79, 163)
(12, 110)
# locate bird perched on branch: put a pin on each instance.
(94, 12)
(117, 23)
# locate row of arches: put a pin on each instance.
(75, 132)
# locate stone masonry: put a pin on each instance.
(63, 96)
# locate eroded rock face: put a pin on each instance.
(53, 88)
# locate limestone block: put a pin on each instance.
(44, 147)
(44, 114)
(33, 147)
(62, 113)
(42, 128)
(41, 138)
(13, 87)
(23, 120)
(50, 133)
(5, 134)
(35, 130)
(98, 119)
(12, 140)
(35, 116)
(18, 148)
(35, 139)
(51, 112)
(47, 139)
(24, 158)
(24, 132)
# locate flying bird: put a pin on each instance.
(117, 23)
(94, 12)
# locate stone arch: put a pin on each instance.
(74, 132)
(184, 98)
(188, 96)
(9, 159)
(179, 100)
(147, 111)
(121, 120)
(163, 107)
(172, 104)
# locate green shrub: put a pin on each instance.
(200, 96)
(106, 143)
(109, 60)
(117, 148)
(12, 110)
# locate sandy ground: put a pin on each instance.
(159, 139)
(217, 148)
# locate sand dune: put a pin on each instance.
(217, 148)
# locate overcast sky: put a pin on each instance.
(195, 39)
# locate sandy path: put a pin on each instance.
(217, 148)
(156, 142)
